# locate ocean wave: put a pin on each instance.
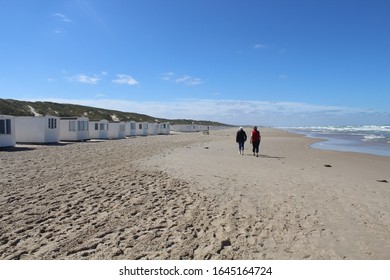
(373, 137)
(362, 128)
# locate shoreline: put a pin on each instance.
(344, 142)
(192, 196)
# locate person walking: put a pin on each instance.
(255, 140)
(240, 139)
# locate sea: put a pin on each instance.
(369, 139)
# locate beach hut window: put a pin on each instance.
(97, 126)
(5, 126)
(72, 126)
(132, 126)
(83, 125)
(102, 126)
(140, 126)
(52, 123)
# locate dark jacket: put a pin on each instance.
(241, 136)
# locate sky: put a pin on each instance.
(253, 62)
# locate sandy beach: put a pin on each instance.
(193, 196)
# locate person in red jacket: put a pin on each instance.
(255, 140)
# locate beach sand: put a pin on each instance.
(193, 196)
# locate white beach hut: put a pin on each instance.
(98, 129)
(142, 128)
(187, 128)
(7, 131)
(153, 128)
(117, 130)
(181, 128)
(40, 129)
(196, 128)
(175, 127)
(164, 128)
(131, 129)
(74, 129)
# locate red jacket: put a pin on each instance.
(255, 136)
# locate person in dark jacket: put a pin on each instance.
(240, 139)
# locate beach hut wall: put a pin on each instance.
(158, 128)
(117, 130)
(175, 128)
(142, 128)
(196, 128)
(131, 128)
(153, 128)
(159, 125)
(181, 128)
(164, 128)
(74, 129)
(168, 128)
(188, 128)
(40, 129)
(98, 129)
(202, 128)
(7, 131)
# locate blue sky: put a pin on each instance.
(263, 62)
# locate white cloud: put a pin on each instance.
(242, 112)
(125, 79)
(62, 17)
(59, 31)
(84, 79)
(186, 79)
(283, 77)
(167, 76)
(260, 46)
(189, 81)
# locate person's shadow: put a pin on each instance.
(267, 156)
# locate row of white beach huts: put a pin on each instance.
(51, 129)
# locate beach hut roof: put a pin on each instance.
(102, 120)
(72, 118)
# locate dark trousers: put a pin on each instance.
(256, 146)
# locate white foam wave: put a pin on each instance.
(373, 137)
(362, 129)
